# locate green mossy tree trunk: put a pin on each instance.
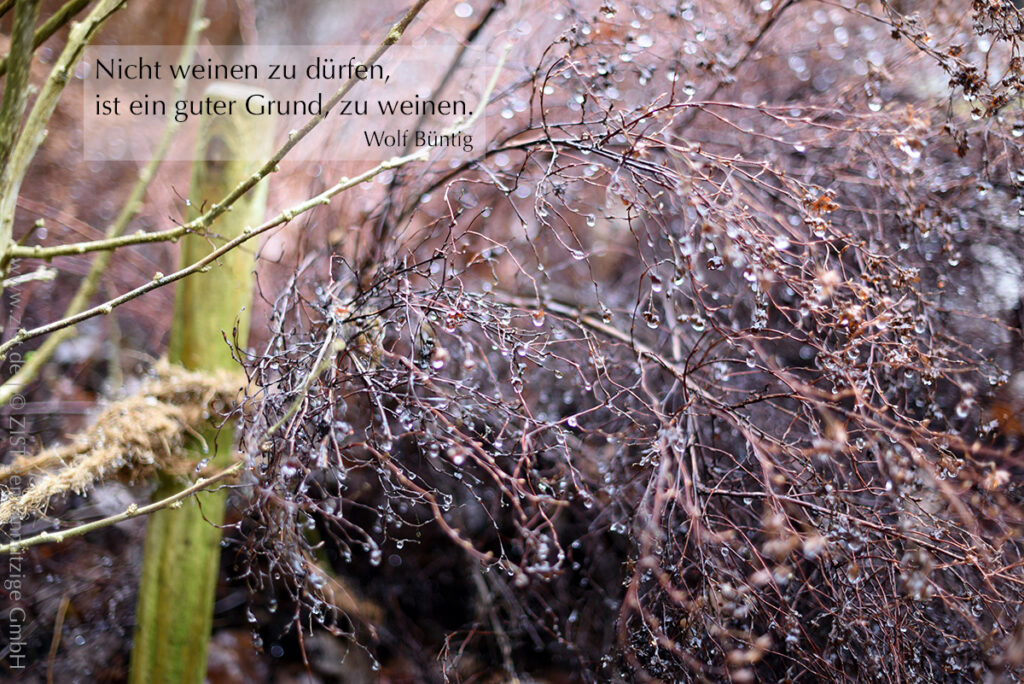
(179, 574)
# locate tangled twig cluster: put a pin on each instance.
(668, 381)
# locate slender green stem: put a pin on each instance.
(103, 245)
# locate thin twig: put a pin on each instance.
(105, 244)
(41, 273)
(58, 628)
(133, 511)
(323, 362)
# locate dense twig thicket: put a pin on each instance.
(702, 368)
(704, 365)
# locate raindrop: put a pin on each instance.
(439, 357)
(964, 408)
